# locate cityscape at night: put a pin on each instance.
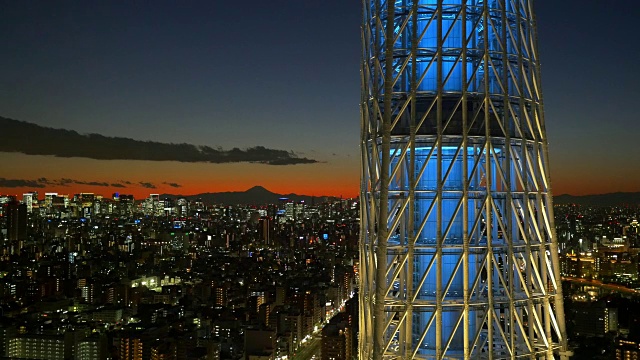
(295, 180)
(93, 277)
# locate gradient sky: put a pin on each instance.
(282, 74)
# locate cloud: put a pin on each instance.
(17, 183)
(147, 185)
(65, 182)
(172, 184)
(92, 183)
(44, 182)
(68, 143)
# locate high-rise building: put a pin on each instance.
(48, 199)
(221, 295)
(7, 332)
(265, 230)
(627, 349)
(594, 318)
(91, 348)
(130, 346)
(28, 199)
(260, 343)
(337, 338)
(16, 214)
(459, 258)
(46, 347)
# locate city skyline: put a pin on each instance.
(233, 77)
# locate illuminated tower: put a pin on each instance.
(458, 252)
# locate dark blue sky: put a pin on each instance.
(590, 82)
(266, 72)
(285, 74)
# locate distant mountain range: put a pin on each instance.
(611, 199)
(257, 195)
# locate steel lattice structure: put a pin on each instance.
(459, 257)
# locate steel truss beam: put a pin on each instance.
(459, 258)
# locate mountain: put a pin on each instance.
(257, 195)
(611, 199)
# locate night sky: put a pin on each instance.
(279, 74)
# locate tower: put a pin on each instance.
(459, 258)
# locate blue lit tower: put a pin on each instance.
(458, 252)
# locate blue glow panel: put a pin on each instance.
(454, 220)
(452, 46)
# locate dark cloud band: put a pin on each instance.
(44, 182)
(147, 185)
(67, 143)
(19, 183)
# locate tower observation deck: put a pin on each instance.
(459, 258)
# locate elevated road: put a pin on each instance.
(600, 284)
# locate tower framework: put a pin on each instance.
(459, 258)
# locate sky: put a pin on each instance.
(279, 74)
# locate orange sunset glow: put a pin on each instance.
(336, 178)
